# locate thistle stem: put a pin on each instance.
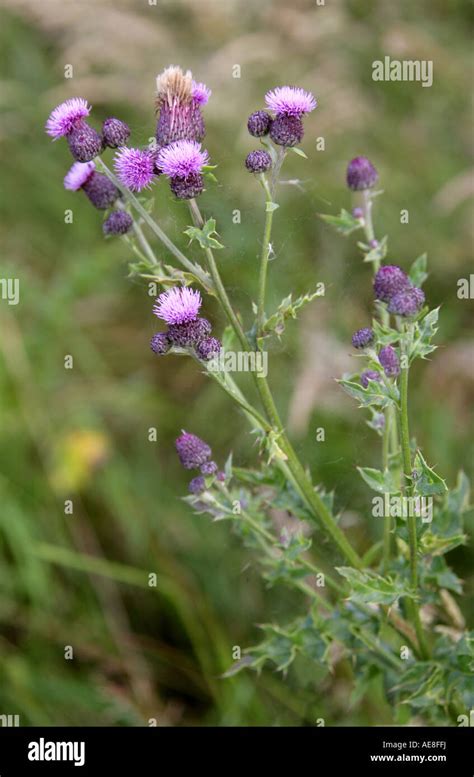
(265, 253)
(411, 520)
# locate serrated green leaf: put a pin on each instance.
(377, 394)
(426, 481)
(287, 308)
(369, 587)
(204, 235)
(417, 273)
(345, 223)
(382, 482)
(271, 206)
(424, 331)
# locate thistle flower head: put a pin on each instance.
(208, 348)
(197, 485)
(258, 161)
(209, 468)
(363, 337)
(407, 302)
(135, 168)
(182, 159)
(190, 333)
(160, 343)
(192, 451)
(101, 192)
(287, 130)
(361, 174)
(390, 280)
(62, 120)
(179, 100)
(178, 305)
(389, 360)
(290, 100)
(259, 123)
(119, 222)
(369, 375)
(115, 132)
(78, 174)
(173, 85)
(200, 93)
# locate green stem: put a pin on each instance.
(411, 520)
(265, 253)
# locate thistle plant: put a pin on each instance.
(388, 610)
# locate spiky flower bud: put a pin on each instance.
(115, 132)
(197, 485)
(192, 451)
(190, 333)
(209, 468)
(160, 343)
(259, 123)
(389, 360)
(101, 192)
(119, 222)
(361, 174)
(363, 337)
(187, 188)
(208, 348)
(407, 302)
(388, 281)
(287, 130)
(258, 161)
(84, 142)
(369, 375)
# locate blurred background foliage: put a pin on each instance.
(82, 434)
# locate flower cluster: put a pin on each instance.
(288, 104)
(179, 308)
(393, 286)
(194, 453)
(85, 143)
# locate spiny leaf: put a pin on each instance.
(368, 587)
(204, 235)
(345, 223)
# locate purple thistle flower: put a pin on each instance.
(119, 222)
(178, 305)
(258, 161)
(187, 188)
(192, 451)
(369, 375)
(64, 117)
(189, 333)
(78, 174)
(361, 174)
(290, 101)
(115, 132)
(208, 348)
(135, 168)
(182, 159)
(388, 281)
(221, 476)
(389, 360)
(259, 123)
(407, 302)
(358, 213)
(197, 485)
(363, 337)
(160, 343)
(200, 93)
(179, 100)
(287, 130)
(101, 192)
(209, 468)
